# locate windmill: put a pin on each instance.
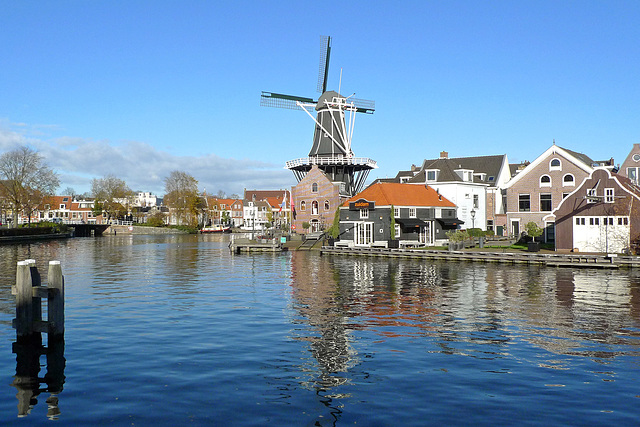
(331, 150)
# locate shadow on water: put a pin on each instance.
(27, 379)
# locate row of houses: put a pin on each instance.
(581, 204)
(258, 210)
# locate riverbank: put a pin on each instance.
(504, 256)
(140, 230)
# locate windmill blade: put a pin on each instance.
(279, 100)
(363, 105)
(323, 71)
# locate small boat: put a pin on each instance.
(216, 229)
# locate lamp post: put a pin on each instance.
(473, 218)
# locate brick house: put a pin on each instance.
(540, 186)
(315, 199)
(601, 215)
(68, 210)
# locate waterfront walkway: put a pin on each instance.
(506, 256)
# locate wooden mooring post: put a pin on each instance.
(29, 326)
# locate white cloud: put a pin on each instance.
(142, 166)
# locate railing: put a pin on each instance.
(333, 160)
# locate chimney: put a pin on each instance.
(444, 155)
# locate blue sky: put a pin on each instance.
(140, 88)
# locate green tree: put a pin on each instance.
(181, 195)
(112, 196)
(25, 180)
(533, 230)
(392, 224)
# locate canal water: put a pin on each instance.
(175, 330)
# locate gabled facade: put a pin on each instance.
(420, 215)
(601, 215)
(315, 200)
(631, 165)
(537, 189)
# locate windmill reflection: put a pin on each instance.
(27, 379)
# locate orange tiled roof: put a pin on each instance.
(391, 193)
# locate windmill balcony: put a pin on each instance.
(331, 160)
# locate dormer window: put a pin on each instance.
(545, 181)
(555, 165)
(432, 175)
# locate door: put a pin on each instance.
(364, 233)
(515, 228)
(425, 237)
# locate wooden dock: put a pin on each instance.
(605, 261)
(239, 245)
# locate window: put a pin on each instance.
(397, 230)
(327, 205)
(314, 187)
(609, 195)
(632, 174)
(545, 181)
(545, 202)
(591, 195)
(396, 212)
(555, 165)
(476, 202)
(594, 221)
(62, 206)
(489, 224)
(303, 205)
(623, 221)
(364, 213)
(564, 195)
(431, 175)
(47, 207)
(608, 221)
(524, 202)
(577, 221)
(568, 180)
(412, 212)
(314, 207)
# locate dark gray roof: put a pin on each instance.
(582, 157)
(489, 165)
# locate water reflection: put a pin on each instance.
(474, 310)
(27, 379)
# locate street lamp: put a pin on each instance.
(473, 218)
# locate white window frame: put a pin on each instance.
(609, 195)
(364, 213)
(592, 193)
(396, 232)
(569, 184)
(396, 212)
(555, 168)
(412, 213)
(545, 184)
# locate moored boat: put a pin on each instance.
(218, 228)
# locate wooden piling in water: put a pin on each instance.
(55, 282)
(29, 293)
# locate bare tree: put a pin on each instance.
(112, 196)
(26, 180)
(69, 191)
(181, 194)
